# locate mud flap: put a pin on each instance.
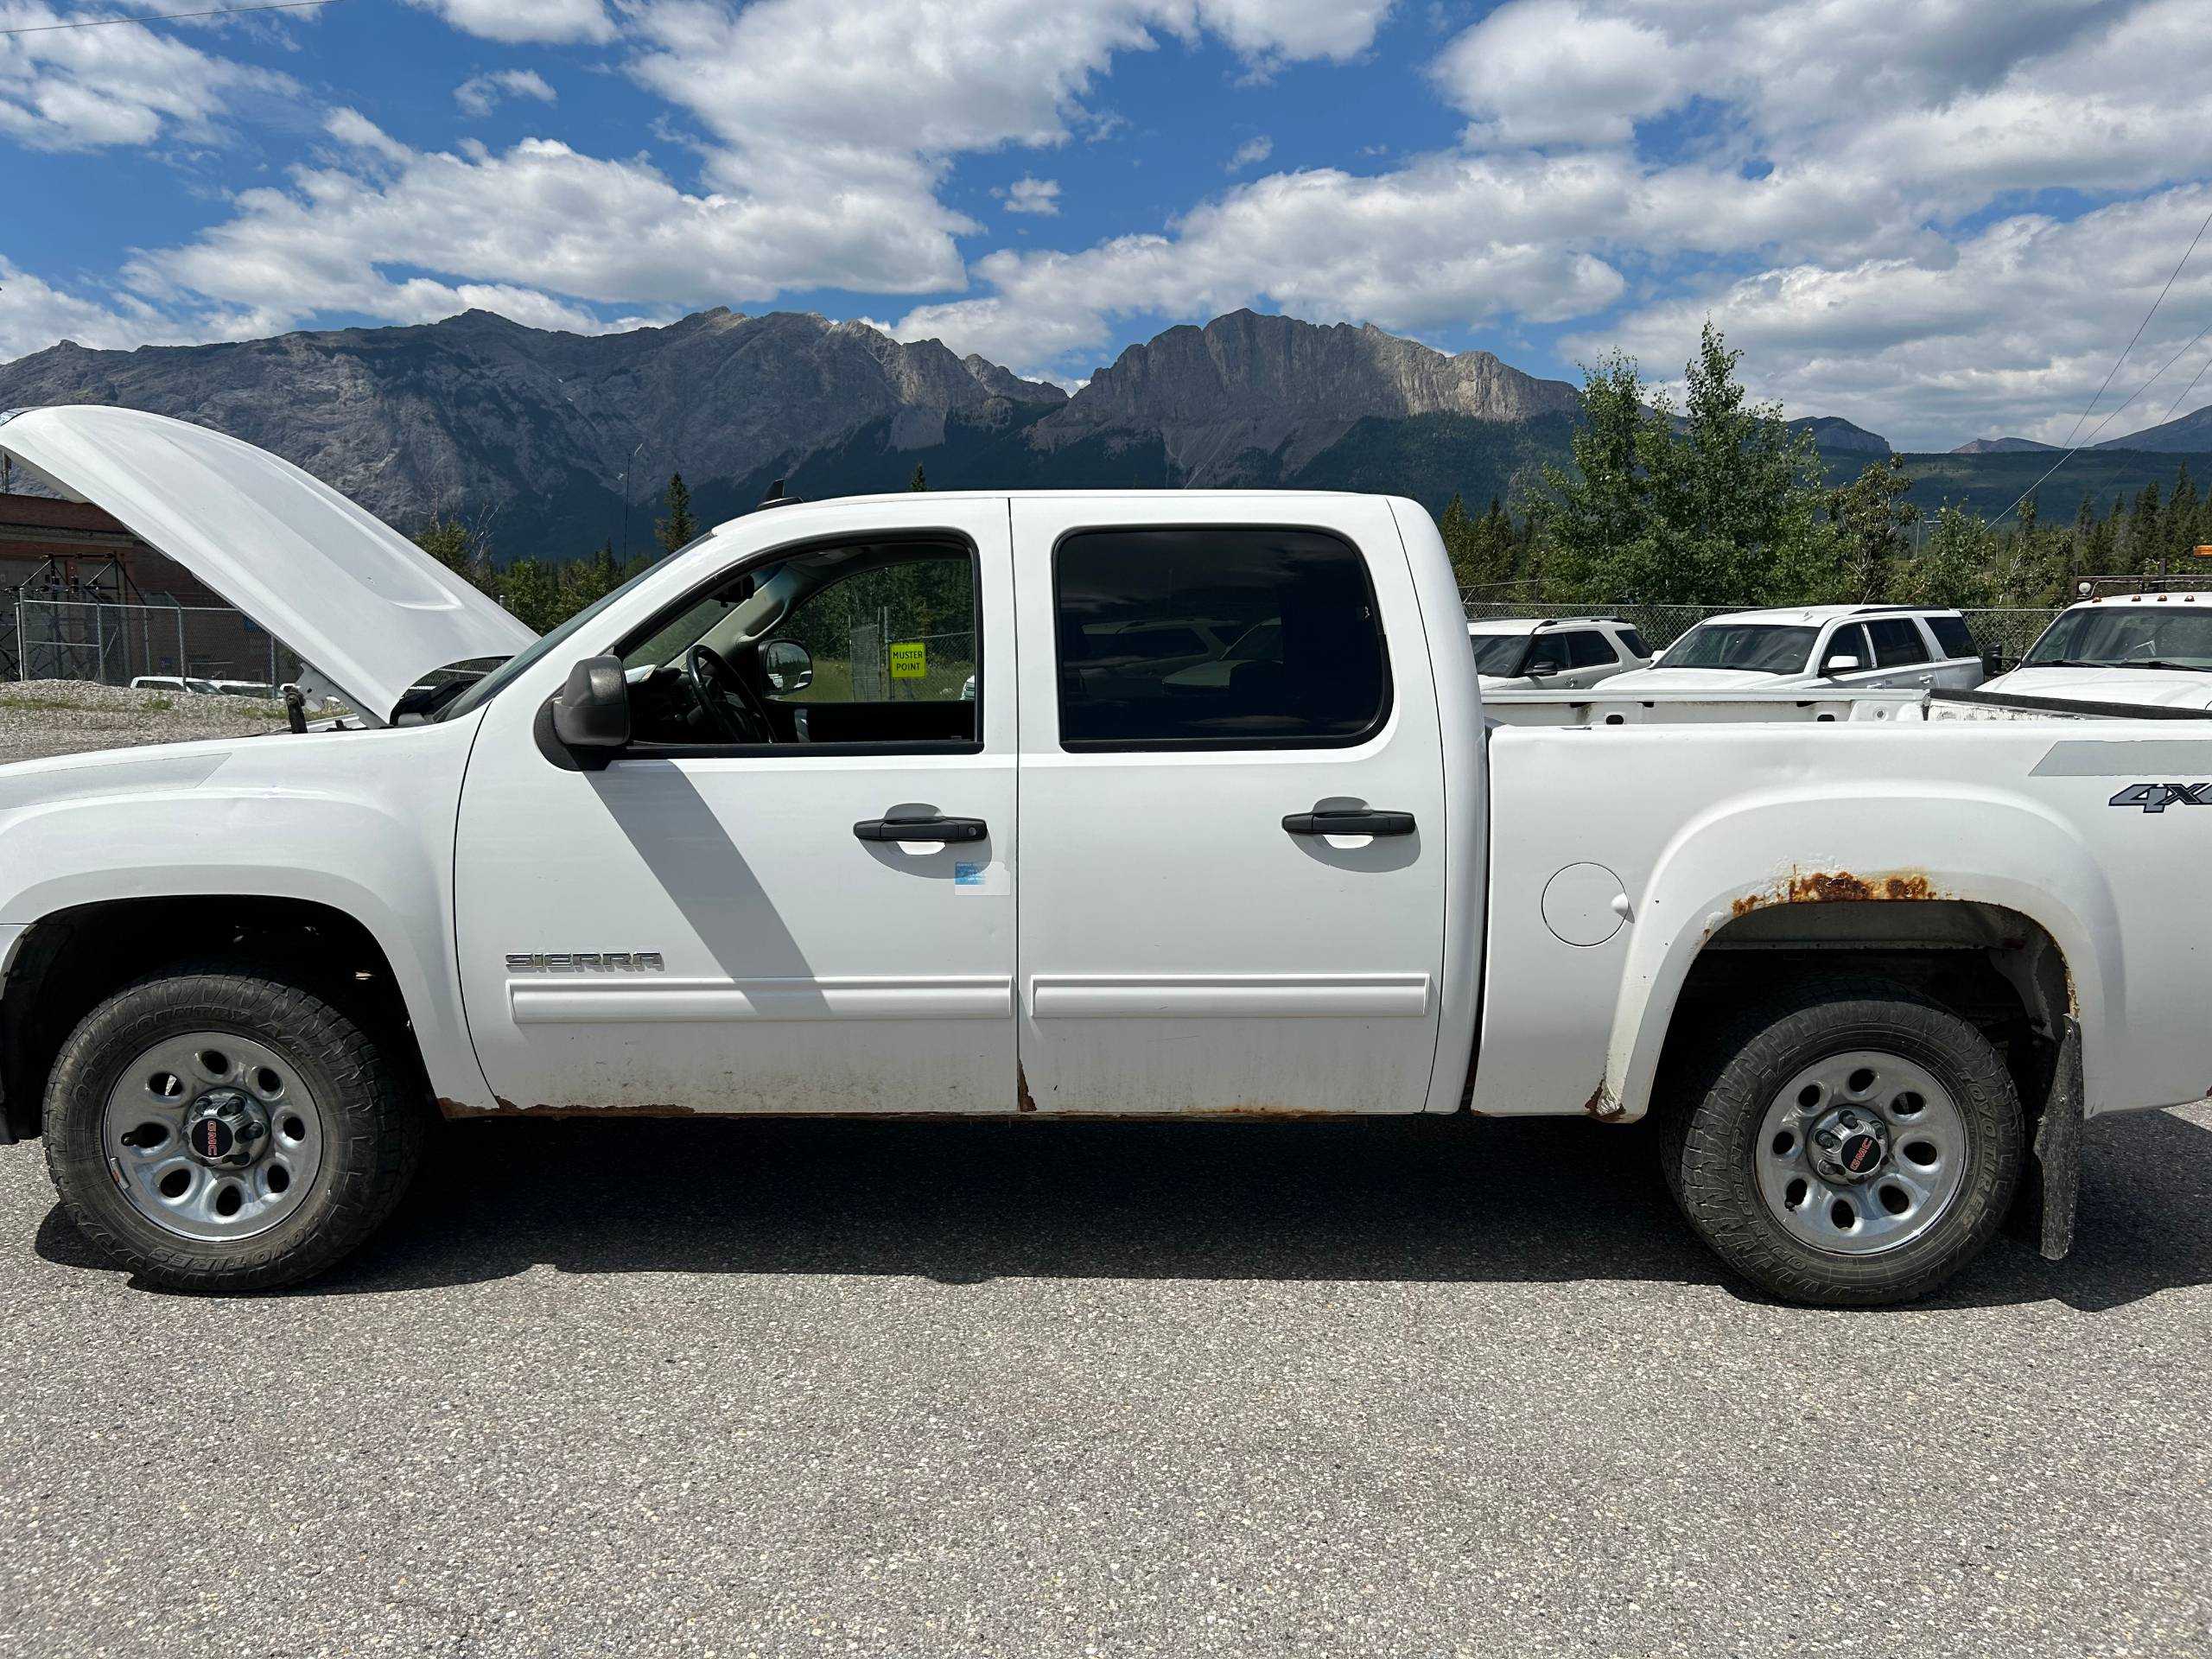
(2051, 1187)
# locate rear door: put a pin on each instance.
(1195, 934)
(1901, 653)
(1958, 658)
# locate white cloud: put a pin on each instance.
(1822, 152)
(505, 229)
(1251, 153)
(1325, 245)
(480, 94)
(553, 22)
(121, 84)
(1028, 195)
(2015, 333)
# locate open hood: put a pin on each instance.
(370, 610)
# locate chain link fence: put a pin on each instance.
(200, 648)
(890, 663)
(2006, 634)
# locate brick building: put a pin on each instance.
(81, 598)
(77, 548)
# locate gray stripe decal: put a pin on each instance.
(2127, 758)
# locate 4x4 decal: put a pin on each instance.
(2157, 797)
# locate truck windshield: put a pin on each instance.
(1756, 646)
(2136, 637)
(1499, 653)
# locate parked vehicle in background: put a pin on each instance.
(1869, 976)
(172, 682)
(2149, 647)
(1838, 646)
(1558, 653)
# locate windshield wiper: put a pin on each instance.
(2159, 661)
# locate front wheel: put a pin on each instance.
(217, 1130)
(1856, 1146)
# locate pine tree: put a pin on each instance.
(920, 480)
(679, 529)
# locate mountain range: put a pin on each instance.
(550, 442)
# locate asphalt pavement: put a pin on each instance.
(1033, 1388)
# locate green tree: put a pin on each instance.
(460, 549)
(679, 529)
(920, 480)
(1722, 504)
(1870, 516)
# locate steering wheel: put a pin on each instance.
(718, 687)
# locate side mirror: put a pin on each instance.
(1993, 664)
(1835, 665)
(788, 665)
(592, 711)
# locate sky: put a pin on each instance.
(1941, 220)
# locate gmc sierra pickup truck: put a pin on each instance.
(738, 838)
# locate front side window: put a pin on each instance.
(870, 643)
(1499, 653)
(1216, 638)
(1759, 647)
(1632, 644)
(1846, 644)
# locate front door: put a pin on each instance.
(715, 923)
(1195, 935)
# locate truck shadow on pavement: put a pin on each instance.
(1421, 1200)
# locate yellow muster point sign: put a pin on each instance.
(910, 661)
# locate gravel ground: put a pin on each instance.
(1020, 1388)
(44, 717)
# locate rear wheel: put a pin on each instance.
(1856, 1145)
(219, 1130)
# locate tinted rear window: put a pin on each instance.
(1317, 677)
(1953, 636)
(1897, 642)
(1587, 648)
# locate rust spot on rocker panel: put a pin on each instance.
(1023, 1100)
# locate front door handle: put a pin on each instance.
(1357, 821)
(938, 829)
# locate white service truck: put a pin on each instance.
(733, 840)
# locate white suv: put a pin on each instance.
(1532, 653)
(1840, 645)
(2138, 648)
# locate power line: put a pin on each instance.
(2108, 419)
(2185, 390)
(2141, 326)
(167, 17)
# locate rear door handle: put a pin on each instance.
(939, 828)
(1358, 821)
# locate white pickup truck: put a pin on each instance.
(693, 852)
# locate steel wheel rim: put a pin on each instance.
(1902, 1196)
(152, 1106)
